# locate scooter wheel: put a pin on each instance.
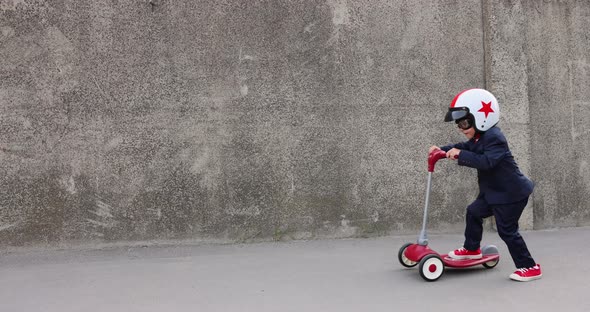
(403, 259)
(491, 264)
(490, 250)
(431, 267)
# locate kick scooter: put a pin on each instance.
(431, 264)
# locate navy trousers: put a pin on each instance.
(507, 216)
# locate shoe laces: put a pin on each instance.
(524, 270)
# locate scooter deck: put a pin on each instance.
(416, 252)
(453, 263)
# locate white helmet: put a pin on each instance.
(477, 104)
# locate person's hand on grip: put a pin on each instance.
(453, 153)
(432, 149)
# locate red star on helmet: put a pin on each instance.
(486, 108)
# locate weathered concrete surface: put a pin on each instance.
(233, 120)
(558, 42)
(538, 63)
(323, 275)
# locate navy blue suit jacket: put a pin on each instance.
(499, 178)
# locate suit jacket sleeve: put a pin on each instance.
(461, 146)
(495, 149)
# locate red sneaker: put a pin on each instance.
(527, 274)
(464, 254)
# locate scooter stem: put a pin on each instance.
(423, 238)
(432, 159)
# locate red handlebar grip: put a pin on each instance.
(434, 157)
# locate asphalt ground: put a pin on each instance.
(322, 275)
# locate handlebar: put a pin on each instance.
(434, 157)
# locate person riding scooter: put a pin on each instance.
(503, 189)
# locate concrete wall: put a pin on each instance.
(558, 62)
(242, 120)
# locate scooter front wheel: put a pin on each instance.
(403, 259)
(431, 267)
